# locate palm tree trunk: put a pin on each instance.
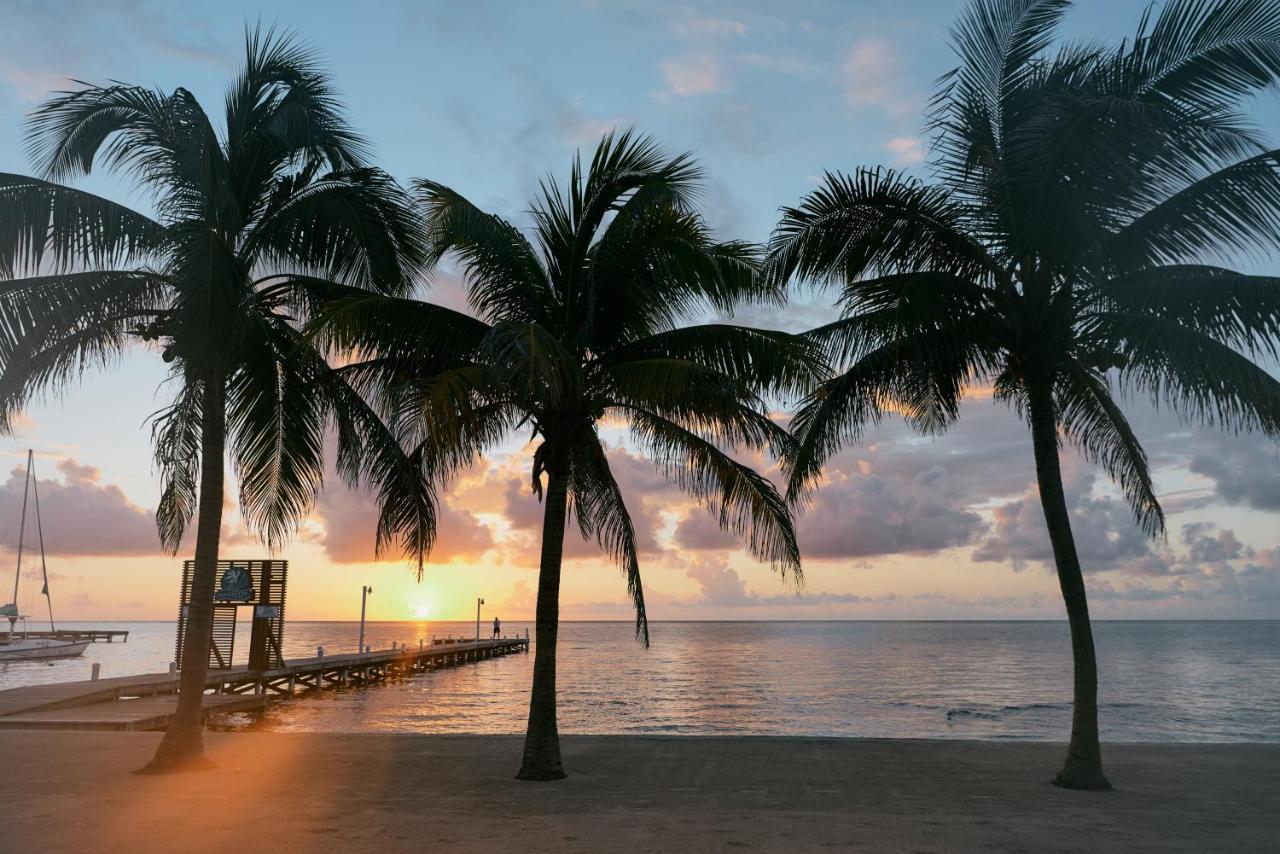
(542, 738)
(182, 747)
(1083, 768)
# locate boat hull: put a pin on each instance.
(31, 650)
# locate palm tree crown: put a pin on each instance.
(584, 325)
(1067, 250)
(253, 229)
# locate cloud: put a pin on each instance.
(81, 515)
(40, 53)
(865, 515)
(861, 514)
(779, 63)
(644, 491)
(1105, 532)
(1214, 567)
(906, 150)
(1204, 547)
(870, 74)
(741, 126)
(350, 517)
(692, 75)
(1258, 580)
(81, 600)
(720, 585)
(691, 25)
(1244, 469)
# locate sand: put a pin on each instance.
(272, 792)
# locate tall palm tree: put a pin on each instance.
(1066, 253)
(252, 230)
(587, 326)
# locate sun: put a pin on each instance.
(421, 610)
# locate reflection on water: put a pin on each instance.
(1166, 681)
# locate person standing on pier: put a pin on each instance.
(497, 627)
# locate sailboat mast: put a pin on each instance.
(44, 567)
(22, 529)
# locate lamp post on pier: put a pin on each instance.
(365, 590)
(479, 602)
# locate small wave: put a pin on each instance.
(1031, 707)
(952, 714)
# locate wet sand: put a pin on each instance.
(72, 792)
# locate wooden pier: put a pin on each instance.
(147, 702)
(95, 635)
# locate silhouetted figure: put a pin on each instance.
(497, 627)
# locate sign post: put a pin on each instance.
(365, 590)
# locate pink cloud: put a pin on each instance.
(906, 150)
(692, 75)
(81, 515)
(640, 483)
(350, 524)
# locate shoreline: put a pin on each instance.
(386, 793)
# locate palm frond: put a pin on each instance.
(276, 416)
(370, 454)
(164, 141)
(1239, 310)
(743, 501)
(175, 437)
(45, 225)
(504, 279)
(1210, 53)
(1091, 420)
(44, 363)
(874, 221)
(921, 376)
(772, 362)
(1189, 371)
(1236, 209)
(997, 41)
(350, 321)
(356, 228)
(602, 514)
(282, 109)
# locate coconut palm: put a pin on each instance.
(581, 329)
(1071, 252)
(252, 229)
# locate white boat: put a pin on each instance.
(27, 649)
(19, 646)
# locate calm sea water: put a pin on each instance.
(1160, 681)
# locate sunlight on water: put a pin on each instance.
(1164, 681)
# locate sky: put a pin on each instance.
(488, 98)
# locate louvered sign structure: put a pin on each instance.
(257, 584)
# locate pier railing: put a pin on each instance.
(109, 703)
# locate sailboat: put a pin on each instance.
(20, 647)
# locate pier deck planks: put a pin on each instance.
(142, 714)
(47, 706)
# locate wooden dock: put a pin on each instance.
(95, 635)
(147, 702)
(142, 714)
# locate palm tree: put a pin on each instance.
(253, 229)
(1066, 254)
(584, 327)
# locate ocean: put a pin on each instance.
(1160, 681)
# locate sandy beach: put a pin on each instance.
(72, 792)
